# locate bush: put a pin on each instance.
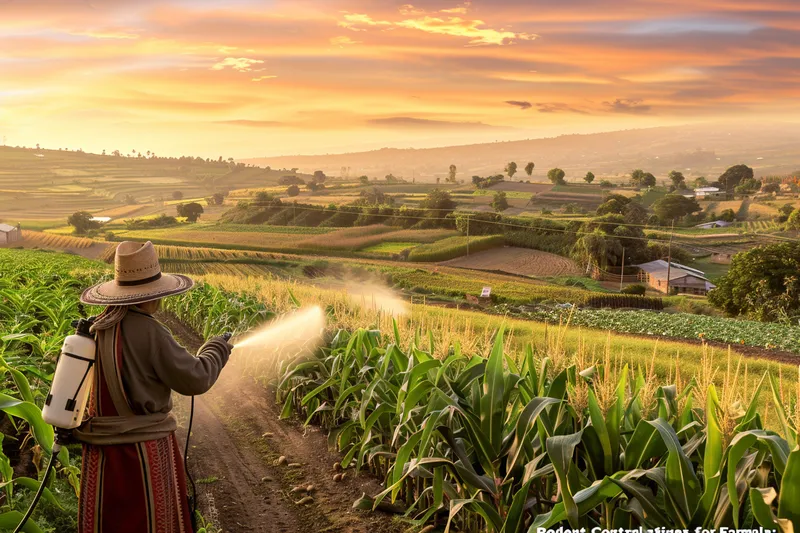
(637, 288)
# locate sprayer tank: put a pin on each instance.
(72, 382)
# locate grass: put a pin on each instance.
(651, 196)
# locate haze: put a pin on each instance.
(267, 78)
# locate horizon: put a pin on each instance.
(253, 79)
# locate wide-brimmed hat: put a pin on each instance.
(137, 278)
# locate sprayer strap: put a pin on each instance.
(90, 361)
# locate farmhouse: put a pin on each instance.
(708, 193)
(9, 234)
(714, 224)
(684, 279)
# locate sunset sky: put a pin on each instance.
(255, 78)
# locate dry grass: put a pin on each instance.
(122, 211)
(49, 240)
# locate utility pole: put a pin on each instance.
(669, 254)
(622, 271)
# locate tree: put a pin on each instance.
(589, 177)
(635, 213)
(728, 215)
(786, 209)
(364, 180)
(191, 211)
(675, 206)
(511, 169)
(319, 176)
(793, 222)
(440, 201)
(177, 195)
(678, 179)
(762, 284)
(771, 188)
(648, 180)
(293, 190)
(637, 176)
(82, 222)
(734, 176)
(556, 175)
(701, 182)
(529, 169)
(605, 184)
(219, 198)
(612, 206)
(500, 202)
(452, 175)
(748, 186)
(129, 200)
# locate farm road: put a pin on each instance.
(236, 439)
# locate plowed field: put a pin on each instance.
(520, 261)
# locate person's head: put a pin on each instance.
(150, 307)
(138, 281)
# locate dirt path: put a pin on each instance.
(236, 440)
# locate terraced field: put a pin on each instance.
(519, 261)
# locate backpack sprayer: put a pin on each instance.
(69, 393)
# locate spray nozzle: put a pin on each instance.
(227, 336)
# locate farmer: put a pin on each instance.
(132, 477)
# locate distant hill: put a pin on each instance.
(696, 150)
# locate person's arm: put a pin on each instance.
(185, 373)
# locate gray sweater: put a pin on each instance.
(154, 364)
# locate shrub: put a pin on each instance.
(637, 288)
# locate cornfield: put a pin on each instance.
(454, 247)
(496, 444)
(46, 240)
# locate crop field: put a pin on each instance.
(769, 336)
(364, 237)
(487, 379)
(577, 188)
(49, 240)
(520, 261)
(518, 186)
(558, 199)
(123, 211)
(389, 248)
(762, 210)
(453, 247)
(760, 226)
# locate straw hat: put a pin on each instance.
(137, 278)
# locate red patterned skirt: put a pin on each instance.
(134, 488)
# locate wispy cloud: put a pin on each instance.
(424, 123)
(262, 78)
(240, 64)
(476, 31)
(520, 104)
(558, 107)
(627, 105)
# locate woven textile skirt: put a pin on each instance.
(134, 488)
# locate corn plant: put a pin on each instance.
(493, 444)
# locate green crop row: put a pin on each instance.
(679, 325)
(453, 247)
(491, 444)
(38, 301)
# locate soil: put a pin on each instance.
(236, 440)
(518, 261)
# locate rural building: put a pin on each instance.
(709, 193)
(714, 224)
(9, 234)
(685, 280)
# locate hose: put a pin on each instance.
(193, 516)
(50, 465)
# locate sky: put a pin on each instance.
(241, 78)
